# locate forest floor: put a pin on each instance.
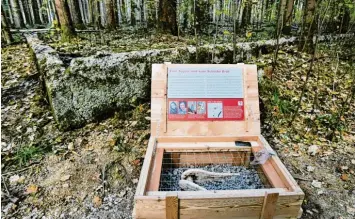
(92, 172)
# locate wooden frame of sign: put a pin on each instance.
(283, 200)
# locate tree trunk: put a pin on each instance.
(25, 12)
(310, 26)
(75, 12)
(111, 22)
(167, 16)
(246, 14)
(66, 23)
(35, 8)
(5, 28)
(9, 12)
(288, 17)
(133, 13)
(18, 20)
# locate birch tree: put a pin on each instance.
(16, 11)
(5, 28)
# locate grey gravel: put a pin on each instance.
(248, 178)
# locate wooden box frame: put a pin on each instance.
(283, 200)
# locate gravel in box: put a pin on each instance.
(248, 178)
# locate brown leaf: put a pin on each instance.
(31, 189)
(344, 177)
(97, 201)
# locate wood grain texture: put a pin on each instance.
(172, 206)
(144, 176)
(269, 206)
(219, 204)
(156, 170)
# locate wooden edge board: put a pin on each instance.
(217, 193)
(156, 170)
(172, 206)
(143, 178)
(172, 139)
(280, 168)
(269, 206)
(165, 107)
(177, 150)
(270, 172)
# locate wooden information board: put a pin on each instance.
(205, 100)
(198, 114)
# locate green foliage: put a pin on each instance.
(29, 153)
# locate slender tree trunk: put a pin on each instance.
(25, 12)
(167, 16)
(133, 13)
(5, 28)
(66, 23)
(288, 17)
(76, 15)
(111, 22)
(36, 12)
(40, 11)
(310, 25)
(18, 20)
(9, 11)
(246, 14)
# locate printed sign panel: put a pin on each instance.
(205, 93)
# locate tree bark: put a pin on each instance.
(133, 13)
(167, 16)
(246, 15)
(5, 28)
(35, 9)
(111, 21)
(18, 20)
(310, 26)
(77, 18)
(66, 23)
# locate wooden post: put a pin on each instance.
(269, 205)
(172, 206)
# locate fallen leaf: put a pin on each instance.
(14, 179)
(71, 146)
(31, 189)
(310, 168)
(97, 201)
(316, 184)
(65, 178)
(313, 150)
(344, 177)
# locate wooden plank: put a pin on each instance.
(174, 139)
(142, 183)
(269, 205)
(281, 169)
(172, 206)
(227, 205)
(165, 106)
(246, 112)
(156, 170)
(220, 193)
(203, 146)
(270, 172)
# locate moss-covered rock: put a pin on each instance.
(93, 87)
